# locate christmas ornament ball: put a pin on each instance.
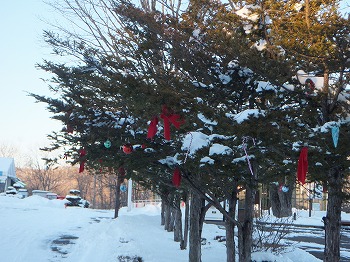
(285, 189)
(107, 144)
(123, 188)
(127, 148)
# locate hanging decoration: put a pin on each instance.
(169, 118)
(123, 188)
(152, 129)
(176, 177)
(82, 154)
(127, 148)
(177, 172)
(189, 147)
(285, 188)
(244, 145)
(310, 86)
(335, 135)
(107, 143)
(302, 165)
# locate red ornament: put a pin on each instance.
(82, 161)
(143, 146)
(127, 148)
(176, 177)
(310, 86)
(302, 166)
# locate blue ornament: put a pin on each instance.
(123, 188)
(107, 144)
(335, 135)
(285, 189)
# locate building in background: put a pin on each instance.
(8, 176)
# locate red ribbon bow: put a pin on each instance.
(169, 118)
(152, 129)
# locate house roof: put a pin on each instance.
(7, 167)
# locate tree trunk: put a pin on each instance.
(333, 217)
(162, 212)
(167, 215)
(195, 236)
(172, 217)
(183, 244)
(177, 221)
(245, 229)
(117, 198)
(281, 202)
(230, 228)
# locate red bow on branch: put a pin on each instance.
(169, 118)
(152, 129)
(82, 161)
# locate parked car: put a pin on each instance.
(11, 191)
(23, 193)
(75, 200)
(51, 195)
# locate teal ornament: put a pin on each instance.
(107, 144)
(335, 135)
(123, 188)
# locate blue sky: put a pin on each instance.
(24, 123)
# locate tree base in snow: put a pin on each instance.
(130, 259)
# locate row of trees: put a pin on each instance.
(163, 86)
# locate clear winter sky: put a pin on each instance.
(24, 123)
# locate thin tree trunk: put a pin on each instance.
(333, 217)
(94, 194)
(195, 237)
(167, 215)
(117, 198)
(172, 217)
(230, 228)
(183, 244)
(245, 232)
(177, 220)
(162, 212)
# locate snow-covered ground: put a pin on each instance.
(36, 229)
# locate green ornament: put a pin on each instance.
(107, 144)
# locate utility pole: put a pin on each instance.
(129, 194)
